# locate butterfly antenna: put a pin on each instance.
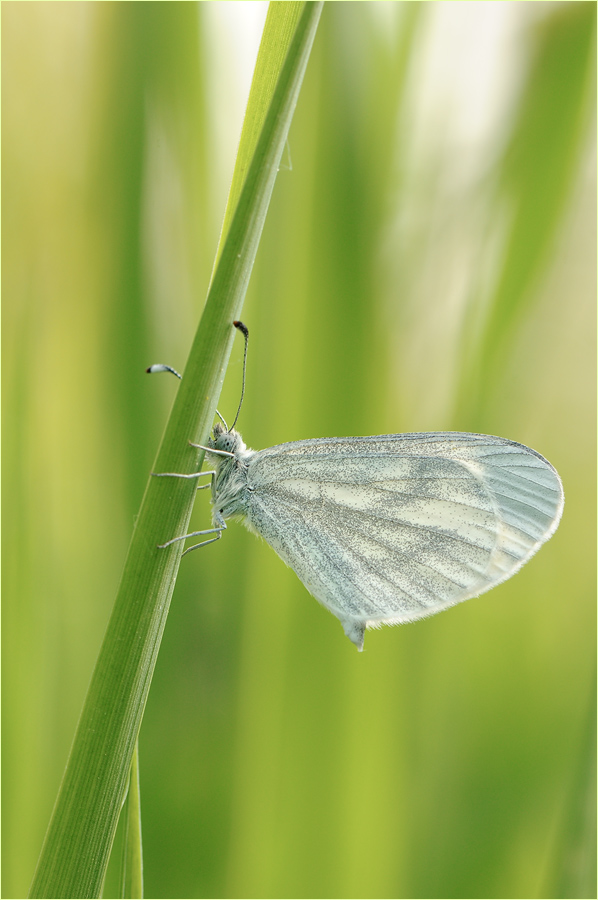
(160, 367)
(245, 332)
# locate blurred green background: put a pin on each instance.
(428, 263)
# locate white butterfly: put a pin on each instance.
(391, 528)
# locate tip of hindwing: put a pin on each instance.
(355, 631)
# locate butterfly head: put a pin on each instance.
(229, 441)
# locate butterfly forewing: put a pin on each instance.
(396, 527)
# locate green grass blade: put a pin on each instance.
(79, 838)
(280, 26)
(132, 874)
(540, 161)
(573, 869)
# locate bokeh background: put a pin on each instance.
(428, 263)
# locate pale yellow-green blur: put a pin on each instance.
(428, 263)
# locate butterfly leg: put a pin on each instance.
(200, 487)
(217, 531)
(180, 475)
(212, 450)
(203, 543)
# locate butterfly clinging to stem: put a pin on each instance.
(390, 528)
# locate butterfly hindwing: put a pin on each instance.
(392, 528)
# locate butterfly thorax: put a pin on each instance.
(229, 485)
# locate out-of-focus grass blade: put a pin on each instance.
(573, 866)
(539, 163)
(132, 875)
(77, 845)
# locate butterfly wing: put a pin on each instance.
(392, 528)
